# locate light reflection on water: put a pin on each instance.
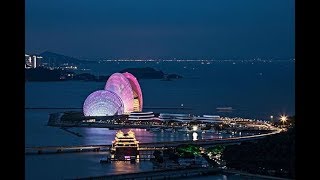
(93, 136)
(61, 166)
(194, 136)
(38, 134)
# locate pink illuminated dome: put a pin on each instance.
(120, 85)
(121, 95)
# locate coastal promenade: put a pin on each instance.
(147, 146)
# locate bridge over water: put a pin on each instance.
(146, 146)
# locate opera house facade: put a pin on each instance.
(121, 95)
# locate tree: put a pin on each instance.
(156, 153)
(188, 150)
(157, 156)
(218, 149)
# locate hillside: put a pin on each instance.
(59, 59)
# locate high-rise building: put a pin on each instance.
(27, 59)
(34, 61)
(38, 63)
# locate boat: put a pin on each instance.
(125, 146)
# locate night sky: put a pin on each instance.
(140, 29)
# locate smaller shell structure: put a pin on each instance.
(102, 103)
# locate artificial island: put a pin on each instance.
(120, 105)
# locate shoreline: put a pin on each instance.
(243, 173)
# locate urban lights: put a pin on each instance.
(194, 128)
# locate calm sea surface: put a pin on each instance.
(255, 90)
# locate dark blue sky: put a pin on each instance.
(202, 29)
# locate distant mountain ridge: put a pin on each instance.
(144, 73)
(59, 59)
(46, 74)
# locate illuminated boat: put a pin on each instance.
(125, 146)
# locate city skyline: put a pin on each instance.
(162, 29)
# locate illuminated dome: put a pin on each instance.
(120, 85)
(137, 93)
(121, 95)
(102, 103)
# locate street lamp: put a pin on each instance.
(283, 119)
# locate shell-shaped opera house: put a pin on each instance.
(121, 95)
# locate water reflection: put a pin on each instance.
(124, 167)
(92, 136)
(97, 135)
(195, 136)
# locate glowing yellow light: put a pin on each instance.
(194, 128)
(119, 134)
(283, 118)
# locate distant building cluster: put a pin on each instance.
(32, 61)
